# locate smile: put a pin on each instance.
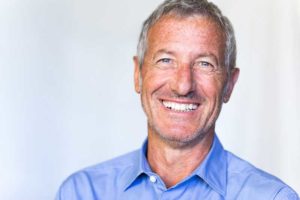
(180, 107)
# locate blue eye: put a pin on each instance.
(165, 63)
(205, 64)
(165, 60)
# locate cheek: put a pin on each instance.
(153, 80)
(211, 87)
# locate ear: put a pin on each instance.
(137, 81)
(234, 75)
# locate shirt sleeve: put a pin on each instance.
(286, 193)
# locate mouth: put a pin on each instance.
(180, 107)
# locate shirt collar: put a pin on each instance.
(213, 169)
(139, 166)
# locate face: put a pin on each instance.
(183, 81)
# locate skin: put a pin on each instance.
(184, 64)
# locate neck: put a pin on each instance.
(174, 164)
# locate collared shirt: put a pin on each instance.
(221, 175)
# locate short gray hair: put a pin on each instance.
(186, 8)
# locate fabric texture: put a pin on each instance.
(221, 175)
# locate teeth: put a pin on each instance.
(181, 107)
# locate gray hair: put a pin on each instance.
(186, 8)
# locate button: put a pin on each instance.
(153, 179)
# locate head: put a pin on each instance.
(185, 69)
(188, 8)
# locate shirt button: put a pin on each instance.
(153, 179)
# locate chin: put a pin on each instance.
(181, 140)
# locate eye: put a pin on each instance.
(204, 65)
(164, 60)
(165, 63)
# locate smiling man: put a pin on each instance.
(184, 71)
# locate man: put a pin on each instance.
(184, 72)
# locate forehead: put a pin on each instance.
(194, 33)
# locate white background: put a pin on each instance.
(67, 99)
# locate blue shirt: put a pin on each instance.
(221, 175)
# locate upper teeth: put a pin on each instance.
(182, 107)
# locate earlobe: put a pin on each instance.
(234, 75)
(137, 80)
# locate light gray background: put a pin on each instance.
(67, 99)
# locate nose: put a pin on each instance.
(183, 82)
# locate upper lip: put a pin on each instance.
(181, 101)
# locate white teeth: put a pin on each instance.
(181, 107)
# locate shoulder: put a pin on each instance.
(114, 165)
(110, 167)
(246, 180)
(89, 181)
